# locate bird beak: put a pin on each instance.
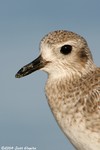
(38, 63)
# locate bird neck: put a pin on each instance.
(64, 89)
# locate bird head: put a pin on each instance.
(61, 52)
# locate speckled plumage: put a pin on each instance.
(72, 88)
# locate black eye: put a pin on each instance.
(66, 49)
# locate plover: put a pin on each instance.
(72, 88)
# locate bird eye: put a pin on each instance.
(66, 49)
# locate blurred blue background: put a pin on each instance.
(25, 118)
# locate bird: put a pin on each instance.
(72, 88)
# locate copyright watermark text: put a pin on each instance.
(17, 148)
